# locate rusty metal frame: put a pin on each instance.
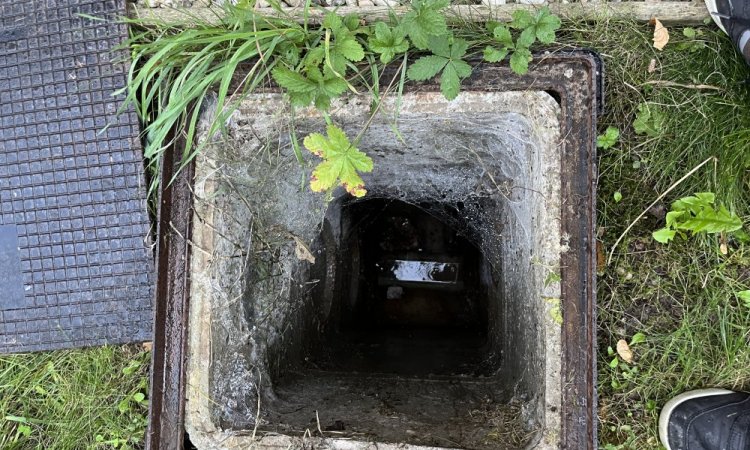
(574, 79)
(171, 308)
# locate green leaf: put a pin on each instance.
(124, 405)
(426, 67)
(292, 81)
(637, 339)
(139, 396)
(388, 42)
(711, 221)
(542, 26)
(608, 139)
(673, 216)
(463, 69)
(353, 22)
(316, 88)
(546, 25)
(447, 58)
(526, 39)
(425, 19)
(649, 120)
(458, 49)
(450, 83)
(440, 46)
(494, 55)
(341, 164)
(333, 22)
(503, 36)
(24, 430)
(522, 19)
(689, 32)
(614, 363)
(617, 196)
(745, 297)
(519, 61)
(350, 49)
(664, 235)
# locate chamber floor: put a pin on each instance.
(460, 412)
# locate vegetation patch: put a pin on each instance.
(73, 399)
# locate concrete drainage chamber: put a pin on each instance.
(426, 313)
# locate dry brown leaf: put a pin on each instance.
(661, 34)
(302, 252)
(148, 346)
(623, 349)
(652, 66)
(723, 244)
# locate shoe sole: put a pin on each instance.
(666, 411)
(714, 11)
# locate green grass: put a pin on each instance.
(74, 399)
(681, 295)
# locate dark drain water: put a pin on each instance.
(414, 304)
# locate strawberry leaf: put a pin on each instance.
(388, 42)
(314, 88)
(494, 55)
(519, 61)
(424, 21)
(447, 57)
(426, 67)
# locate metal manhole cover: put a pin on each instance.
(74, 229)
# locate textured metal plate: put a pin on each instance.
(74, 195)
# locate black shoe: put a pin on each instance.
(733, 16)
(706, 419)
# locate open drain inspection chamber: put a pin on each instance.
(451, 307)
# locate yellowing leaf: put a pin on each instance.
(623, 349)
(342, 162)
(661, 34)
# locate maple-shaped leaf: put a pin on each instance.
(446, 58)
(341, 164)
(425, 20)
(314, 88)
(388, 42)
